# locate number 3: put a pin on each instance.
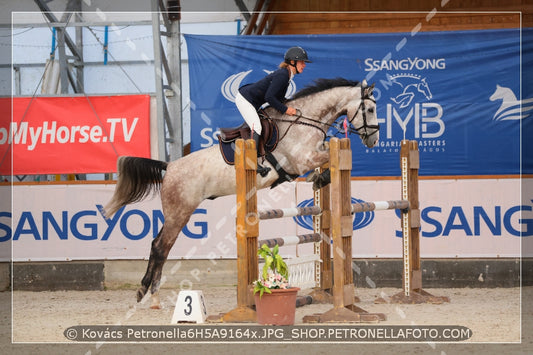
(188, 310)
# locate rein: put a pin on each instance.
(317, 124)
(296, 121)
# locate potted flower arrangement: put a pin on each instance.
(275, 300)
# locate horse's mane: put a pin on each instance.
(323, 84)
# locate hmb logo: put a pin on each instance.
(410, 107)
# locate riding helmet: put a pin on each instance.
(296, 53)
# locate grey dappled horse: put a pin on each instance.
(204, 174)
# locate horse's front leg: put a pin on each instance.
(319, 180)
(318, 158)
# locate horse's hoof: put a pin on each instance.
(155, 306)
(317, 185)
(320, 182)
(140, 294)
(312, 176)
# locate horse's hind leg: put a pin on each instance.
(161, 247)
(153, 263)
(181, 193)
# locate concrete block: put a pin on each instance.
(182, 274)
(52, 276)
(5, 276)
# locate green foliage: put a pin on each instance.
(259, 287)
(273, 261)
(275, 271)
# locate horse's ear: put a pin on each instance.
(364, 83)
(368, 90)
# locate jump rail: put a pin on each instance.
(290, 212)
(292, 240)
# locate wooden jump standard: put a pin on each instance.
(412, 273)
(248, 230)
(333, 217)
(340, 227)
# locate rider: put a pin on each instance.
(271, 89)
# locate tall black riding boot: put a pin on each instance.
(261, 170)
(256, 137)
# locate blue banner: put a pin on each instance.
(460, 94)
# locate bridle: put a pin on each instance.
(364, 131)
(365, 126)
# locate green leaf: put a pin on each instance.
(273, 261)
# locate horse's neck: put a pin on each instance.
(412, 87)
(324, 106)
(300, 151)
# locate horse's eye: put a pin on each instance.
(371, 110)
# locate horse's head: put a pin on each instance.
(503, 93)
(423, 87)
(363, 115)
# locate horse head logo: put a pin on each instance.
(510, 106)
(411, 86)
(360, 221)
(230, 86)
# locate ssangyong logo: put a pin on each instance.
(230, 86)
(408, 63)
(360, 221)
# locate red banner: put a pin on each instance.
(62, 135)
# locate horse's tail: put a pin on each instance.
(137, 178)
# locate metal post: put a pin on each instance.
(168, 97)
(174, 93)
(161, 135)
(63, 64)
(79, 62)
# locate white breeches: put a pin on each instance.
(249, 113)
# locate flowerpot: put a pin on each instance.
(276, 308)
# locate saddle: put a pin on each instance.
(267, 143)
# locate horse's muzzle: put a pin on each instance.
(371, 141)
